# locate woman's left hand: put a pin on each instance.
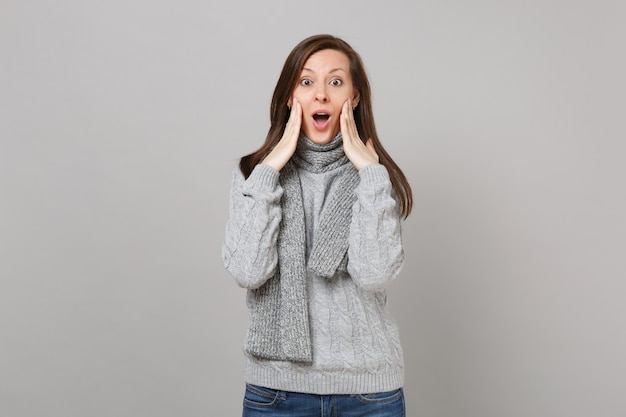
(359, 153)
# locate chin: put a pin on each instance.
(321, 138)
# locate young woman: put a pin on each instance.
(315, 236)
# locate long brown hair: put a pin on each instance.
(363, 115)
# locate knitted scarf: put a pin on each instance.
(279, 325)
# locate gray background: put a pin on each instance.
(121, 122)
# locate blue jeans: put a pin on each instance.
(264, 402)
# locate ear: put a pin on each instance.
(289, 102)
(355, 99)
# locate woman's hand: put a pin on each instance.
(359, 153)
(285, 148)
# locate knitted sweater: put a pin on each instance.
(355, 342)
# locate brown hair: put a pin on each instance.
(363, 115)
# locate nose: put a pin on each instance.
(320, 93)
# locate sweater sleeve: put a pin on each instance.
(375, 254)
(249, 247)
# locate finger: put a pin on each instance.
(343, 122)
(298, 117)
(350, 113)
(348, 126)
(294, 104)
(298, 110)
(295, 118)
(344, 112)
(292, 111)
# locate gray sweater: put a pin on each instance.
(355, 342)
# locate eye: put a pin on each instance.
(306, 82)
(336, 82)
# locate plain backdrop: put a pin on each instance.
(120, 123)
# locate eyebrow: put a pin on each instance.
(330, 72)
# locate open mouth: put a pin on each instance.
(320, 120)
(321, 117)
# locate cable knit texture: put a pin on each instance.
(279, 329)
(349, 258)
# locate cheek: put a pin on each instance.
(338, 107)
(299, 93)
(342, 97)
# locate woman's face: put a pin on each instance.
(325, 84)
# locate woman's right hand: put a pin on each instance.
(286, 146)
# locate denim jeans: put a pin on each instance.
(263, 402)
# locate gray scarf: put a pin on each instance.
(279, 325)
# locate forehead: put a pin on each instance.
(327, 60)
